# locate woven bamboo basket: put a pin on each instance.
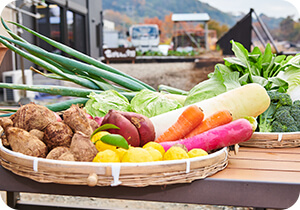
(273, 140)
(113, 174)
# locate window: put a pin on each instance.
(62, 25)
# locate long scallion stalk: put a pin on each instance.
(80, 55)
(60, 90)
(74, 64)
(49, 67)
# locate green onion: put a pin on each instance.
(79, 55)
(60, 90)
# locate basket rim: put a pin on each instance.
(78, 163)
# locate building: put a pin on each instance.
(76, 23)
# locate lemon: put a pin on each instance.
(106, 156)
(197, 152)
(98, 136)
(175, 153)
(156, 155)
(137, 154)
(121, 152)
(155, 145)
(101, 146)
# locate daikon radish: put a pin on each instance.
(248, 100)
(226, 135)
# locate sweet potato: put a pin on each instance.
(127, 129)
(57, 134)
(23, 142)
(143, 125)
(82, 147)
(33, 116)
(77, 120)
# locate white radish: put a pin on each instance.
(248, 100)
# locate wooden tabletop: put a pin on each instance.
(263, 165)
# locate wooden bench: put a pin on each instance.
(259, 178)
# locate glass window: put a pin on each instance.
(70, 32)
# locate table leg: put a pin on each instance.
(12, 199)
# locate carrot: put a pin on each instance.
(235, 132)
(191, 117)
(216, 119)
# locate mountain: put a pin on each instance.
(139, 9)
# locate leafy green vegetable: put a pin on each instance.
(258, 67)
(100, 104)
(150, 103)
(220, 81)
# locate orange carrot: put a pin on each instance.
(218, 118)
(190, 118)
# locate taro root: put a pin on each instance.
(5, 122)
(37, 133)
(57, 134)
(82, 147)
(33, 116)
(23, 142)
(77, 120)
(4, 140)
(61, 153)
(93, 123)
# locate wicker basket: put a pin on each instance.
(113, 174)
(273, 140)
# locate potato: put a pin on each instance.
(37, 133)
(23, 142)
(82, 147)
(77, 120)
(33, 116)
(61, 153)
(57, 134)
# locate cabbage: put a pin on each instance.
(150, 103)
(221, 81)
(100, 104)
(292, 76)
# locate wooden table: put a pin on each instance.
(260, 178)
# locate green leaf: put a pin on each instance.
(103, 128)
(115, 140)
(241, 53)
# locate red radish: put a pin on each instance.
(89, 116)
(226, 135)
(58, 118)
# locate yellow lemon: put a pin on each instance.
(137, 154)
(106, 156)
(101, 146)
(155, 145)
(156, 155)
(121, 152)
(175, 153)
(197, 152)
(98, 136)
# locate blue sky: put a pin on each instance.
(272, 8)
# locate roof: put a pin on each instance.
(203, 17)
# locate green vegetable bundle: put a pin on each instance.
(92, 75)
